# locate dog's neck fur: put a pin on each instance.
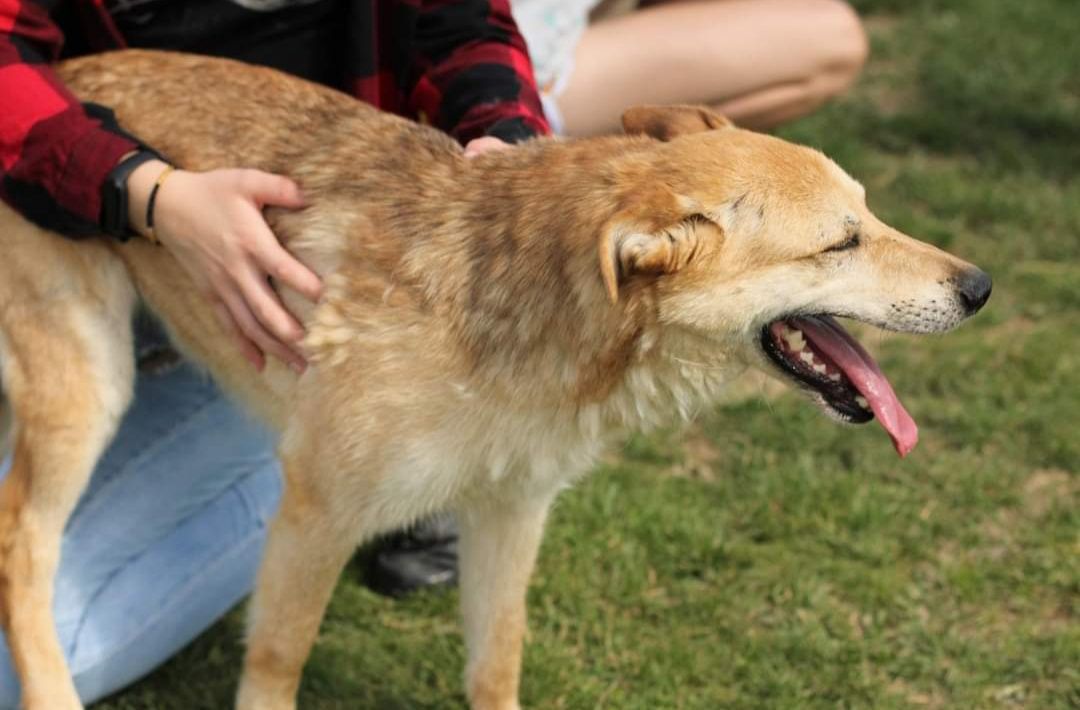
(521, 291)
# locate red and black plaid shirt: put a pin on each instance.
(459, 64)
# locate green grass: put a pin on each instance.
(769, 559)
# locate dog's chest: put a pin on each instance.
(554, 446)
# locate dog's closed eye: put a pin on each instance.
(849, 243)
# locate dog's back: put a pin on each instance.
(441, 272)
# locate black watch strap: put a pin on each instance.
(114, 194)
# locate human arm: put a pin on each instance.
(473, 74)
(56, 153)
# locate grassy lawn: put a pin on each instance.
(766, 558)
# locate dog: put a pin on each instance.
(488, 326)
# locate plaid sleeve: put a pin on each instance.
(475, 77)
(55, 153)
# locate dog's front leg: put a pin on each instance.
(498, 550)
(310, 541)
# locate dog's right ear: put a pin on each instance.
(652, 252)
(667, 122)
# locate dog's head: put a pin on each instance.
(760, 243)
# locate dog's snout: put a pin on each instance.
(974, 288)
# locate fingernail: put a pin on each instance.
(297, 367)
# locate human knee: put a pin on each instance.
(841, 46)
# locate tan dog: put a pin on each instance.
(487, 327)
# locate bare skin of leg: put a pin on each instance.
(498, 550)
(760, 62)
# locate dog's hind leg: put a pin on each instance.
(498, 547)
(5, 422)
(68, 370)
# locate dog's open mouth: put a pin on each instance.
(821, 356)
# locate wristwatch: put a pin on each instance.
(114, 194)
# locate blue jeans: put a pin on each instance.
(166, 538)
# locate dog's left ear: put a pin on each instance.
(628, 251)
(667, 122)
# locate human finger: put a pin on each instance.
(248, 349)
(269, 189)
(265, 303)
(254, 330)
(276, 260)
(484, 144)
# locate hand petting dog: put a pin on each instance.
(212, 223)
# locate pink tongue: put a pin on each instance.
(834, 342)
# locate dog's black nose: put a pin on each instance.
(974, 287)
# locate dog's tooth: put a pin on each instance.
(861, 401)
(819, 368)
(807, 357)
(834, 376)
(794, 339)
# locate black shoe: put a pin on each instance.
(422, 557)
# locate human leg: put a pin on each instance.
(760, 62)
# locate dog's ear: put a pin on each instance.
(627, 252)
(667, 122)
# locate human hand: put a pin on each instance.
(484, 144)
(212, 223)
